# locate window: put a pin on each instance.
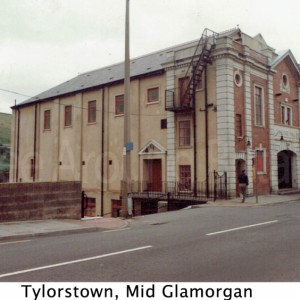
(284, 83)
(163, 124)
(68, 115)
(258, 106)
(92, 111)
(260, 161)
(286, 115)
(185, 178)
(185, 99)
(238, 80)
(47, 120)
(238, 125)
(119, 105)
(153, 95)
(184, 133)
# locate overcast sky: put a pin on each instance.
(46, 42)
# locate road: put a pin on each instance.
(204, 244)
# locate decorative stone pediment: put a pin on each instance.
(153, 147)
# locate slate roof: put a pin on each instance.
(140, 66)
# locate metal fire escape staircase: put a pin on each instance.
(183, 100)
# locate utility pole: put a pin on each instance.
(126, 182)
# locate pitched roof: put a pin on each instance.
(281, 55)
(141, 66)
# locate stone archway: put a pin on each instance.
(286, 168)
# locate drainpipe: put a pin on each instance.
(102, 156)
(18, 146)
(34, 143)
(195, 139)
(206, 132)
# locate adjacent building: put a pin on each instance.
(217, 105)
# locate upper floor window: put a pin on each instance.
(261, 161)
(47, 119)
(119, 102)
(92, 111)
(153, 95)
(68, 115)
(184, 133)
(259, 106)
(286, 115)
(284, 83)
(185, 99)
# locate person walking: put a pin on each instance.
(243, 183)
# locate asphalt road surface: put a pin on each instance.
(219, 244)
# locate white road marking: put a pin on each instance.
(73, 262)
(243, 227)
(15, 242)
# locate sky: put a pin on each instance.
(47, 42)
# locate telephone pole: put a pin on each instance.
(126, 182)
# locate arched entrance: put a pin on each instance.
(240, 165)
(285, 161)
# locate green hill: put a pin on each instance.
(5, 127)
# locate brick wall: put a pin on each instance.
(43, 200)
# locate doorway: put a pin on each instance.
(285, 169)
(240, 165)
(153, 175)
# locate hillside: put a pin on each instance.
(5, 127)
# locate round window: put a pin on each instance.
(285, 80)
(238, 80)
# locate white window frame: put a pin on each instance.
(286, 107)
(262, 104)
(159, 95)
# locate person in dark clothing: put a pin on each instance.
(243, 183)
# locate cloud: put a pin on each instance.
(46, 42)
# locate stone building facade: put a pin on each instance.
(244, 103)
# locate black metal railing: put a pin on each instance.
(174, 101)
(185, 190)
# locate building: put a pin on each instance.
(206, 106)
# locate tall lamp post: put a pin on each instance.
(126, 181)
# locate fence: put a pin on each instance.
(212, 189)
(42, 200)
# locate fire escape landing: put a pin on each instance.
(182, 100)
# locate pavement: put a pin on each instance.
(14, 231)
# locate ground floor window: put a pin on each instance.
(185, 178)
(260, 161)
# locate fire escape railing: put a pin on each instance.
(183, 99)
